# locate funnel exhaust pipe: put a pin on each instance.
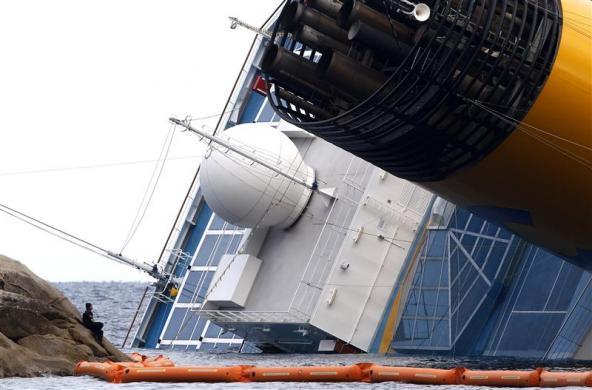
(319, 41)
(293, 70)
(349, 76)
(328, 7)
(296, 14)
(378, 40)
(354, 10)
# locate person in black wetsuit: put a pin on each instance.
(89, 322)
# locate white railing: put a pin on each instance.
(180, 257)
(235, 316)
(330, 238)
(176, 257)
(391, 215)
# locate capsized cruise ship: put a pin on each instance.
(345, 257)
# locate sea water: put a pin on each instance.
(115, 304)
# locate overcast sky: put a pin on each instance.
(85, 83)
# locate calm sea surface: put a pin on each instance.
(115, 304)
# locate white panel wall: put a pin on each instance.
(368, 265)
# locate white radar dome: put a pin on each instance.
(249, 194)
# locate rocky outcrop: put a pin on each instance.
(40, 329)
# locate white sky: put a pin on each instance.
(94, 82)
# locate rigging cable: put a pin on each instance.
(520, 126)
(93, 166)
(151, 187)
(484, 106)
(80, 242)
(44, 226)
(54, 231)
(195, 176)
(111, 164)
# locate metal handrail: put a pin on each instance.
(180, 257)
(226, 316)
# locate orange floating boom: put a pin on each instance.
(501, 378)
(562, 379)
(181, 374)
(106, 371)
(161, 369)
(304, 374)
(430, 376)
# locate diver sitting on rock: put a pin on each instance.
(95, 327)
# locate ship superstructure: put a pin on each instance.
(371, 263)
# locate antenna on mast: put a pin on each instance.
(235, 22)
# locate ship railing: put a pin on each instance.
(177, 256)
(236, 316)
(161, 297)
(332, 234)
(178, 260)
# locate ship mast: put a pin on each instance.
(244, 153)
(235, 22)
(151, 270)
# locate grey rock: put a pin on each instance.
(40, 329)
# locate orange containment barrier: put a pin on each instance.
(137, 357)
(304, 374)
(181, 374)
(158, 361)
(501, 378)
(562, 379)
(107, 371)
(162, 369)
(430, 376)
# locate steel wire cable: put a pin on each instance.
(93, 166)
(59, 233)
(150, 188)
(516, 121)
(111, 164)
(518, 124)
